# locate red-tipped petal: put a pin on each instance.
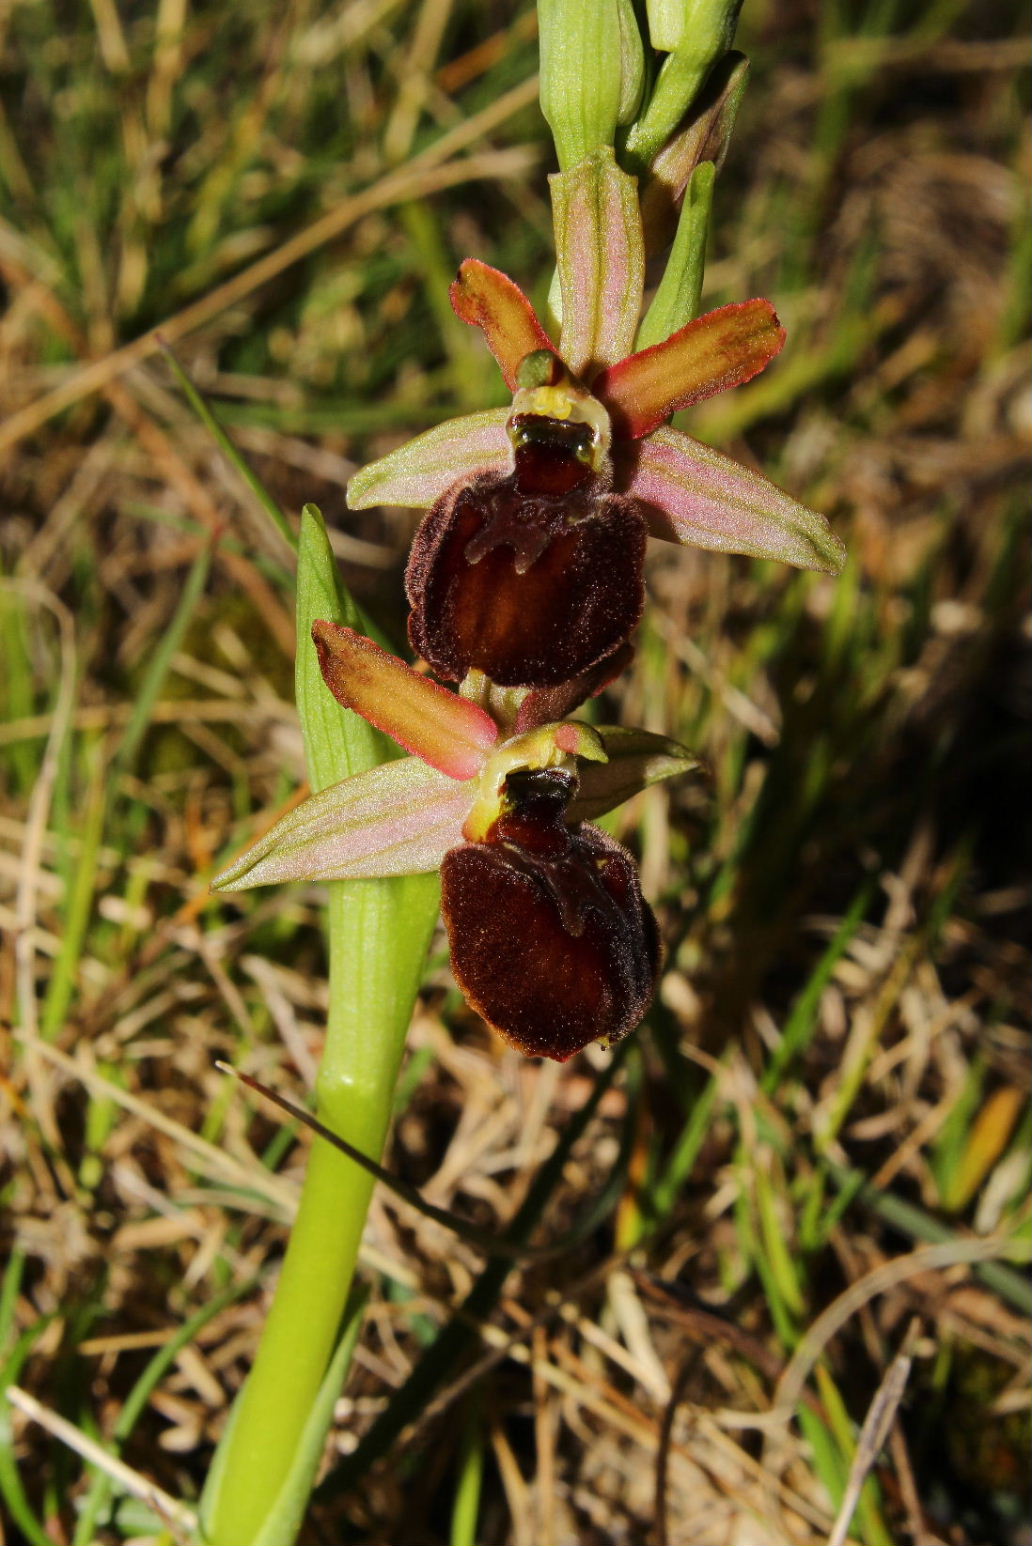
(400, 818)
(421, 470)
(717, 351)
(446, 731)
(488, 299)
(696, 496)
(601, 261)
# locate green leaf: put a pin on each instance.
(377, 931)
(338, 742)
(288, 1511)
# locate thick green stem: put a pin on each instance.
(371, 1003)
(377, 933)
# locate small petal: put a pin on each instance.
(486, 298)
(697, 496)
(447, 731)
(601, 261)
(715, 352)
(400, 818)
(636, 759)
(420, 471)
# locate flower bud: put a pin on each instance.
(582, 88)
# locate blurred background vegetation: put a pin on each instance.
(835, 1073)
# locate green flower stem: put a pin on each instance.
(377, 937)
(371, 1003)
(678, 297)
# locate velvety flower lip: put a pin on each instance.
(690, 493)
(551, 939)
(554, 948)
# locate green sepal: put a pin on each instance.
(636, 759)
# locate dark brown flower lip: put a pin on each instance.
(554, 951)
(532, 591)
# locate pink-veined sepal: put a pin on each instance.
(423, 469)
(600, 259)
(698, 497)
(400, 818)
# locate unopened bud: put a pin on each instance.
(582, 72)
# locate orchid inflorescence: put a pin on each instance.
(525, 582)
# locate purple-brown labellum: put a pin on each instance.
(551, 939)
(533, 577)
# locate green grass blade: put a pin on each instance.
(102, 1488)
(161, 660)
(233, 456)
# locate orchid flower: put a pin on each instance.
(528, 566)
(551, 939)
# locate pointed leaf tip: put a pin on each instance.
(443, 729)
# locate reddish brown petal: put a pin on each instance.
(554, 952)
(443, 729)
(532, 591)
(717, 351)
(490, 300)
